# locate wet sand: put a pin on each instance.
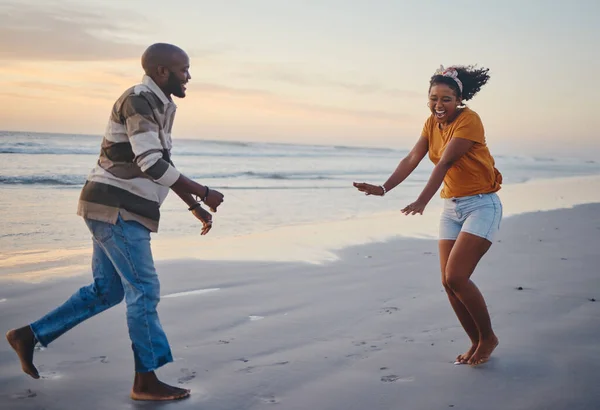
(370, 330)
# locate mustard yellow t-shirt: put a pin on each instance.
(475, 172)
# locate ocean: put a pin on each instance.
(266, 186)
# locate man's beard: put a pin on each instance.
(174, 86)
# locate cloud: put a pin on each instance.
(267, 99)
(43, 89)
(23, 96)
(54, 32)
(318, 81)
(67, 32)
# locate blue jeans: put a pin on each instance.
(122, 267)
(477, 214)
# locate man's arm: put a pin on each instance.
(143, 133)
(183, 188)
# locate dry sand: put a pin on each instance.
(372, 330)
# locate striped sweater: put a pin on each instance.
(134, 171)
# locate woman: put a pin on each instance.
(454, 137)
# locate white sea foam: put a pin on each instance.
(191, 292)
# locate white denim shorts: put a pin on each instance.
(478, 215)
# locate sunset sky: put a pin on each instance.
(314, 71)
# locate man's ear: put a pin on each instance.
(162, 71)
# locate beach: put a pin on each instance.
(308, 294)
(300, 292)
(368, 329)
(241, 149)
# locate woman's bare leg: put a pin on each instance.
(464, 317)
(464, 257)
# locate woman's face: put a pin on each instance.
(443, 103)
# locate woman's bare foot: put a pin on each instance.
(22, 341)
(464, 358)
(146, 386)
(484, 351)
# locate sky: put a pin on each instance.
(351, 72)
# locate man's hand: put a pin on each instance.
(416, 207)
(213, 200)
(205, 217)
(192, 192)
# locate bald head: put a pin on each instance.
(160, 54)
(168, 65)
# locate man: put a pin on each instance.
(120, 204)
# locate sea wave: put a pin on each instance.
(79, 180)
(50, 180)
(50, 144)
(182, 151)
(35, 149)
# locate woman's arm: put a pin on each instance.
(408, 164)
(455, 149)
(403, 170)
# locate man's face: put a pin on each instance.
(178, 75)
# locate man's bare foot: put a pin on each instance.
(484, 351)
(464, 358)
(22, 341)
(146, 386)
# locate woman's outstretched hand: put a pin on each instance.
(369, 189)
(416, 207)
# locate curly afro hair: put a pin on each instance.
(471, 77)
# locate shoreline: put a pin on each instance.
(311, 243)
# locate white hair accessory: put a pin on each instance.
(450, 72)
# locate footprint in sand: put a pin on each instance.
(389, 309)
(50, 375)
(393, 378)
(27, 394)
(249, 369)
(96, 359)
(269, 399)
(252, 369)
(187, 376)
